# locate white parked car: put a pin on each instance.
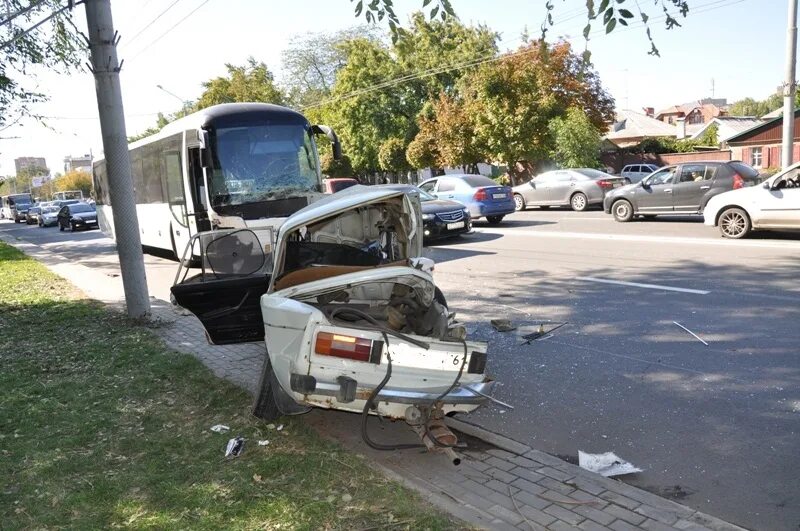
(636, 172)
(350, 314)
(774, 204)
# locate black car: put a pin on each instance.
(77, 216)
(32, 215)
(678, 190)
(440, 218)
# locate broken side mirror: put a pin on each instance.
(331, 134)
(205, 150)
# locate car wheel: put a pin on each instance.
(60, 226)
(649, 217)
(579, 202)
(622, 210)
(265, 407)
(734, 223)
(626, 180)
(519, 202)
(494, 220)
(41, 224)
(72, 227)
(544, 207)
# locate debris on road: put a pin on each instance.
(695, 335)
(219, 428)
(541, 332)
(503, 325)
(264, 442)
(280, 427)
(607, 464)
(235, 447)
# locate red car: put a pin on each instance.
(331, 186)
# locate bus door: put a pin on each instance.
(183, 226)
(197, 189)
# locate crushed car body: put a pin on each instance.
(348, 310)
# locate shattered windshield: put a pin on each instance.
(259, 163)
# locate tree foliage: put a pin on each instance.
(447, 132)
(513, 100)
(758, 108)
(250, 82)
(75, 180)
(336, 168)
(576, 140)
(710, 136)
(55, 45)
(392, 156)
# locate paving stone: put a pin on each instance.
(476, 488)
(619, 499)
(531, 499)
(564, 514)
(503, 499)
(545, 459)
(524, 473)
(624, 514)
(528, 525)
(561, 526)
(502, 464)
(557, 486)
(590, 486)
(524, 462)
(595, 514)
(536, 516)
(661, 515)
(527, 486)
(588, 525)
(502, 454)
(688, 525)
(712, 522)
(476, 465)
(655, 525)
(505, 514)
(620, 525)
(501, 487)
(580, 495)
(502, 475)
(481, 502)
(554, 473)
(502, 526)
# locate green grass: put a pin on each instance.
(103, 426)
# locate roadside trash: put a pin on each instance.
(270, 426)
(219, 428)
(607, 464)
(347, 498)
(695, 335)
(502, 325)
(263, 443)
(541, 333)
(235, 447)
(280, 427)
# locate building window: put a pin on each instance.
(755, 157)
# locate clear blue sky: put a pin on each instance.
(738, 43)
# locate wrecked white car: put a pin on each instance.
(348, 310)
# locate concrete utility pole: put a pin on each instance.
(103, 47)
(789, 86)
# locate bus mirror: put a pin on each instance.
(205, 151)
(327, 131)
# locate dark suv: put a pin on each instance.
(678, 190)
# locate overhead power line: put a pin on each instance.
(20, 12)
(192, 12)
(146, 26)
(717, 4)
(32, 28)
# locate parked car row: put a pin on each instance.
(578, 188)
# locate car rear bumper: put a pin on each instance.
(492, 209)
(475, 393)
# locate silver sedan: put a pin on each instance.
(578, 188)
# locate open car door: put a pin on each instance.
(225, 292)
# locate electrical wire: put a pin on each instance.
(192, 12)
(32, 28)
(146, 26)
(20, 12)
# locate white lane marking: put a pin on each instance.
(690, 240)
(648, 286)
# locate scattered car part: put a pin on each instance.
(235, 447)
(541, 333)
(502, 325)
(607, 464)
(219, 428)
(695, 335)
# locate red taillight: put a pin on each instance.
(738, 182)
(480, 195)
(602, 183)
(352, 348)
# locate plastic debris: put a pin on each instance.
(235, 447)
(347, 498)
(502, 325)
(607, 464)
(220, 428)
(541, 332)
(280, 427)
(265, 442)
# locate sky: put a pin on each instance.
(178, 44)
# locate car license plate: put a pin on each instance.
(616, 185)
(499, 196)
(458, 225)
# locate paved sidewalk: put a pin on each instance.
(513, 487)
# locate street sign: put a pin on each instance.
(36, 182)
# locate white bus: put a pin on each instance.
(233, 165)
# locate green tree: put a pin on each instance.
(75, 180)
(576, 140)
(710, 136)
(450, 132)
(513, 100)
(336, 168)
(392, 156)
(24, 179)
(250, 82)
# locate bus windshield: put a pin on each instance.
(257, 163)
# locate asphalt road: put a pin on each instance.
(716, 427)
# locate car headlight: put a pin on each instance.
(427, 217)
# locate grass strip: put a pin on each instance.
(103, 426)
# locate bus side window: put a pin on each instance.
(174, 179)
